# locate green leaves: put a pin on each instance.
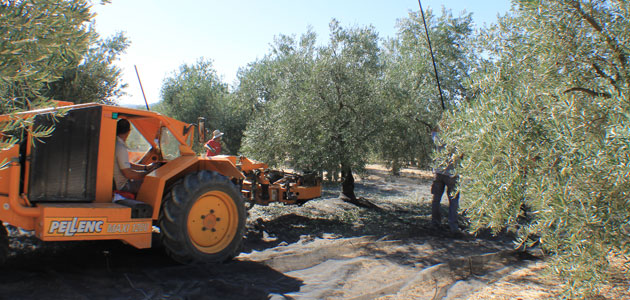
(39, 41)
(545, 137)
(95, 78)
(41, 38)
(409, 95)
(316, 108)
(197, 91)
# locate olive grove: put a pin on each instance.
(537, 105)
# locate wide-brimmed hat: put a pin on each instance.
(217, 133)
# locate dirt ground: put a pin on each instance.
(325, 249)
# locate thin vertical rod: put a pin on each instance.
(437, 78)
(145, 98)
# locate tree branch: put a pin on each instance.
(587, 91)
(601, 73)
(618, 52)
(425, 124)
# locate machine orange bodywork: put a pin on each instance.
(67, 194)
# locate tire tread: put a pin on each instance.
(174, 209)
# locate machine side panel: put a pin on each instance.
(63, 167)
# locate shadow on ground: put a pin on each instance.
(112, 270)
(397, 217)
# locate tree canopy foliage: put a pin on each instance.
(95, 78)
(325, 107)
(41, 39)
(411, 100)
(197, 91)
(546, 138)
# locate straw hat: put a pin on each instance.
(217, 133)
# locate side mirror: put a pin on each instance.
(201, 129)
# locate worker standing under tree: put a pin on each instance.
(213, 146)
(444, 179)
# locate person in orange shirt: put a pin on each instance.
(213, 146)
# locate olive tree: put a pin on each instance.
(260, 84)
(195, 90)
(270, 88)
(546, 137)
(325, 114)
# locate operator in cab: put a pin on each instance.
(128, 176)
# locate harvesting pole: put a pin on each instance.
(432, 57)
(145, 98)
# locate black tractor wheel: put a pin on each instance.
(4, 244)
(202, 219)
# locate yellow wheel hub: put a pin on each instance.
(213, 222)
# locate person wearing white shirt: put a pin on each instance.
(128, 176)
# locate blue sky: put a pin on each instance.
(166, 34)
